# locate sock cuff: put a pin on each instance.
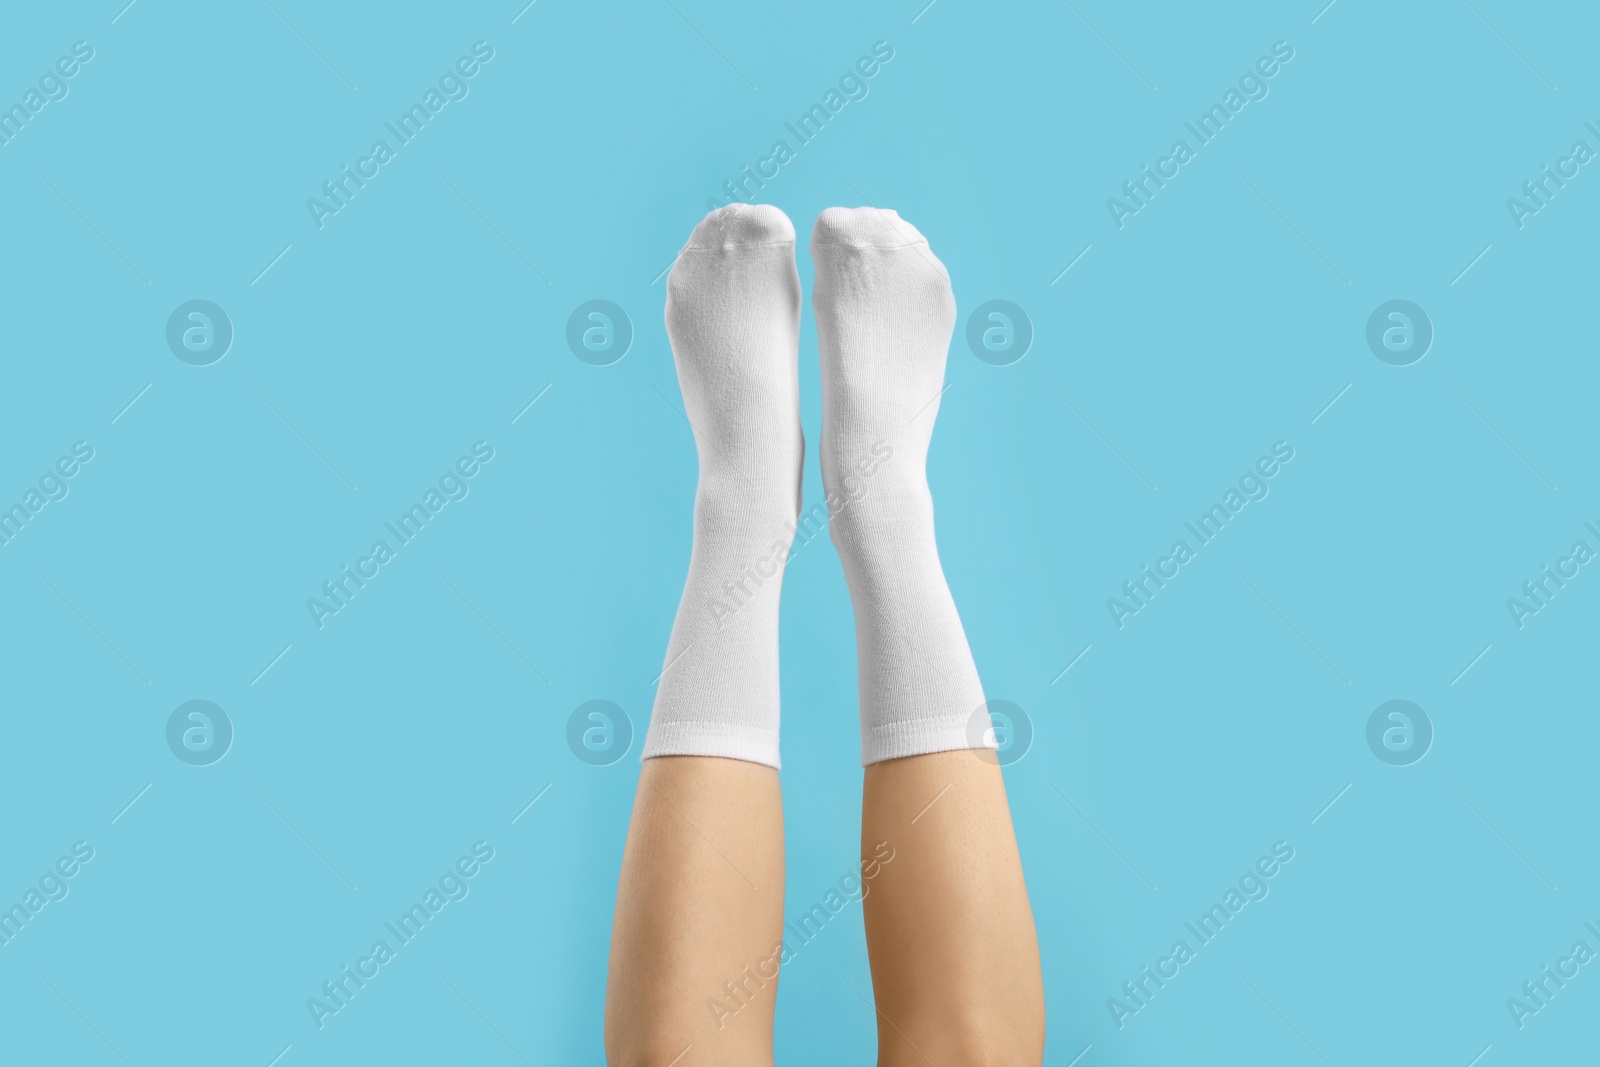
(695, 737)
(918, 737)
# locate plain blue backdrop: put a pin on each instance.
(368, 354)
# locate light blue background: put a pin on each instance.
(426, 315)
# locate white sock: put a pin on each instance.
(733, 317)
(884, 316)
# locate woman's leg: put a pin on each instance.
(955, 962)
(699, 908)
(699, 914)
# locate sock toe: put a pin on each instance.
(864, 227)
(742, 226)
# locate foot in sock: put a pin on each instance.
(733, 317)
(884, 314)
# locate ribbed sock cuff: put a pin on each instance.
(692, 737)
(917, 737)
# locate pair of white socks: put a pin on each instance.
(884, 312)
